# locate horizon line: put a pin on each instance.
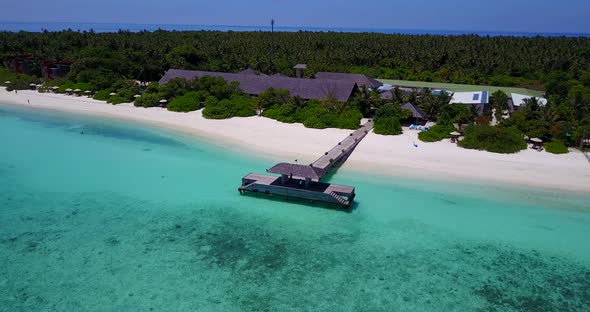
(304, 28)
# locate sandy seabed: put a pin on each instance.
(383, 155)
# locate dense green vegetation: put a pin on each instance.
(316, 114)
(504, 61)
(493, 139)
(387, 119)
(17, 81)
(188, 102)
(436, 133)
(148, 100)
(236, 106)
(556, 147)
(108, 63)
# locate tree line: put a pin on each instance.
(108, 63)
(503, 61)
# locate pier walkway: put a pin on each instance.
(340, 152)
(303, 181)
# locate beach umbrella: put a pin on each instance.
(77, 90)
(163, 101)
(537, 140)
(68, 90)
(112, 94)
(55, 87)
(455, 133)
(136, 96)
(32, 85)
(7, 82)
(87, 91)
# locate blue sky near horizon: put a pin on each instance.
(464, 15)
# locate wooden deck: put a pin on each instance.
(324, 192)
(340, 152)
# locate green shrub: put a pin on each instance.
(6, 75)
(349, 119)
(153, 87)
(284, 113)
(148, 100)
(387, 119)
(215, 109)
(17, 81)
(242, 106)
(272, 97)
(436, 133)
(191, 101)
(173, 88)
(117, 100)
(314, 115)
(556, 147)
(493, 139)
(103, 95)
(315, 122)
(388, 126)
(236, 106)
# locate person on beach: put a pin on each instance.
(28, 102)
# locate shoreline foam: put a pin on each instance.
(393, 156)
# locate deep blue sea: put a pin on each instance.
(103, 215)
(115, 27)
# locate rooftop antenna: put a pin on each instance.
(272, 48)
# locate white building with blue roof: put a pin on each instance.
(479, 99)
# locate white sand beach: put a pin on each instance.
(384, 155)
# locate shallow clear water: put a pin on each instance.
(100, 215)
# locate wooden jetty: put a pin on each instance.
(303, 181)
(339, 153)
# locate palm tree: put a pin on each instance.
(366, 100)
(499, 101)
(432, 104)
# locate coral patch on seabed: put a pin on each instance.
(220, 257)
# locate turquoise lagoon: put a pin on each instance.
(103, 215)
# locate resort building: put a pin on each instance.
(341, 89)
(518, 101)
(360, 79)
(22, 64)
(26, 64)
(479, 99)
(418, 116)
(52, 70)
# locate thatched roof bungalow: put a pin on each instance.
(416, 111)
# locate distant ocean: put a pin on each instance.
(115, 27)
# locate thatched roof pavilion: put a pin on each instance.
(298, 171)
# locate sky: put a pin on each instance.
(571, 16)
